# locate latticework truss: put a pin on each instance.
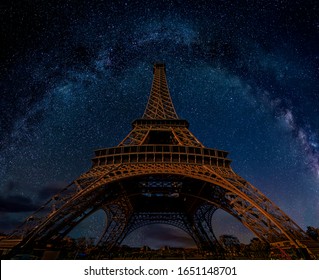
(160, 173)
(160, 105)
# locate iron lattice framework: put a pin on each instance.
(160, 173)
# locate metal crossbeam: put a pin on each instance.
(160, 173)
(160, 105)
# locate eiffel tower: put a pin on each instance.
(160, 174)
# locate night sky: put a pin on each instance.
(75, 74)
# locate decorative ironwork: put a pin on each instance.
(160, 173)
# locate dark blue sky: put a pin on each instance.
(74, 74)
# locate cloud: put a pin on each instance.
(159, 235)
(15, 206)
(12, 200)
(49, 190)
(16, 203)
(8, 222)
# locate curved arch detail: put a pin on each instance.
(243, 201)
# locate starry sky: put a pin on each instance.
(75, 74)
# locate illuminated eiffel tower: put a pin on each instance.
(160, 174)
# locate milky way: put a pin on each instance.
(75, 74)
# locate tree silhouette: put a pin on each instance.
(313, 232)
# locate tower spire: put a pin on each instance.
(160, 105)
